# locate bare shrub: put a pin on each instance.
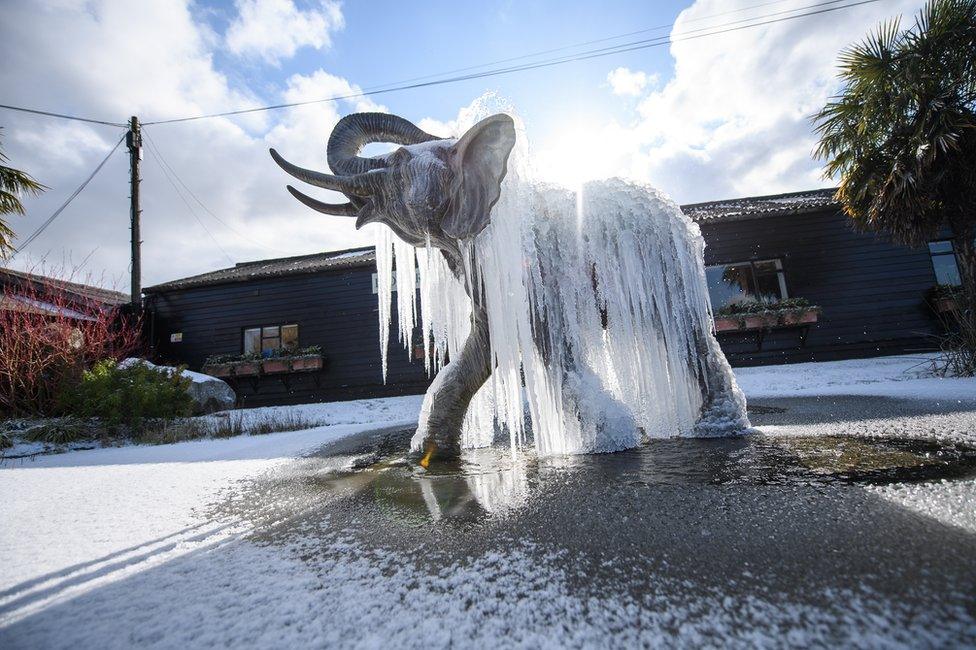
(48, 336)
(958, 346)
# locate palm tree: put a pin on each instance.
(901, 135)
(13, 184)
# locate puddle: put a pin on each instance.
(493, 480)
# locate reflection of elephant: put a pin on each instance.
(430, 190)
(440, 193)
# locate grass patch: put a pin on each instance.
(58, 433)
(234, 424)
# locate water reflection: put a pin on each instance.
(494, 481)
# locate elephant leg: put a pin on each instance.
(447, 399)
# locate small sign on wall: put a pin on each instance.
(176, 337)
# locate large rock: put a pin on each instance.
(210, 394)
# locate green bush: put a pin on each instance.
(128, 395)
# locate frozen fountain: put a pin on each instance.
(577, 320)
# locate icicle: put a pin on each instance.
(384, 288)
(599, 320)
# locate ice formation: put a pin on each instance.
(600, 323)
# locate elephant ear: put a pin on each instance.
(479, 160)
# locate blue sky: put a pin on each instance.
(701, 119)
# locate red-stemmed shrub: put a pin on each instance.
(49, 335)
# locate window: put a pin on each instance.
(745, 281)
(944, 262)
(268, 339)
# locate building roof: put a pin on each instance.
(755, 207)
(75, 291)
(283, 266)
(752, 207)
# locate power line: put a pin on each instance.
(430, 76)
(155, 153)
(159, 154)
(594, 41)
(61, 115)
(617, 49)
(64, 205)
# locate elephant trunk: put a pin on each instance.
(446, 403)
(353, 132)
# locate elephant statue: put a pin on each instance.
(429, 190)
(439, 193)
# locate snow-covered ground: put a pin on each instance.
(119, 547)
(896, 376)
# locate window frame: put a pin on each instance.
(262, 337)
(951, 251)
(780, 276)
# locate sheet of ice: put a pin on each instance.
(597, 305)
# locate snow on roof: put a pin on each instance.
(754, 207)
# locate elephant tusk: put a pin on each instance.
(357, 185)
(337, 209)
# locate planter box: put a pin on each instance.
(800, 318)
(726, 324)
(247, 369)
(218, 370)
(307, 364)
(275, 366)
(752, 322)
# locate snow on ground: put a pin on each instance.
(896, 376)
(85, 517)
(90, 538)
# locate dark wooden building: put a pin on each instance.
(871, 294)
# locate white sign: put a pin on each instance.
(176, 337)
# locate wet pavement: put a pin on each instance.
(788, 518)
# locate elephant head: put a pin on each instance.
(429, 189)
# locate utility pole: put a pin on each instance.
(134, 142)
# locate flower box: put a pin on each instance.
(800, 317)
(307, 363)
(218, 369)
(275, 366)
(765, 321)
(753, 322)
(727, 324)
(247, 369)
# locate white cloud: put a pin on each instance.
(624, 81)
(95, 64)
(275, 29)
(735, 118)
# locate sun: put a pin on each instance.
(578, 151)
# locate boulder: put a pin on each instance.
(210, 394)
